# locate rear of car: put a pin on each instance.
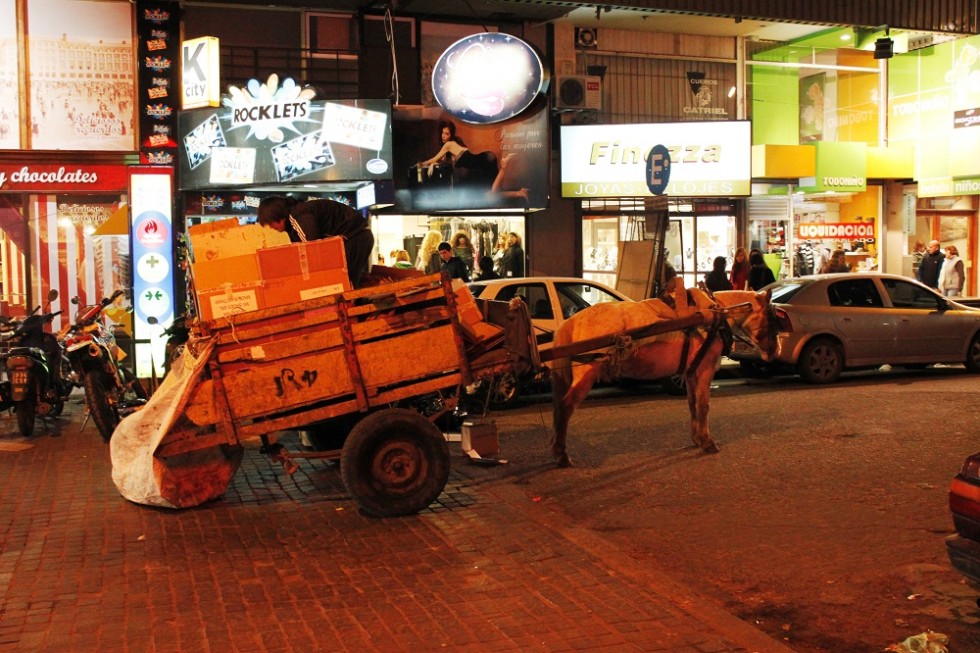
(964, 504)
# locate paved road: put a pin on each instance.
(290, 564)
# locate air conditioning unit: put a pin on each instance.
(578, 92)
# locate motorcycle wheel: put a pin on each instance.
(26, 410)
(132, 382)
(102, 413)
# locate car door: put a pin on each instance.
(922, 333)
(859, 314)
(573, 296)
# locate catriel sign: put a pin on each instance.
(62, 179)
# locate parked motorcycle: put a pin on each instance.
(111, 391)
(33, 366)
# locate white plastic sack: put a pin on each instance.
(183, 481)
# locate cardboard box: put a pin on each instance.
(229, 300)
(218, 272)
(302, 259)
(227, 238)
(480, 436)
(289, 290)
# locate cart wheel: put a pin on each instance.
(395, 463)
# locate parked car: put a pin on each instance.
(832, 322)
(964, 503)
(551, 301)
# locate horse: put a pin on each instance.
(693, 352)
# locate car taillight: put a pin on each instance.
(971, 468)
(783, 322)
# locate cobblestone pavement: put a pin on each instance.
(290, 564)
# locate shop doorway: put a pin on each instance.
(951, 221)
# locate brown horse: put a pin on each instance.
(693, 352)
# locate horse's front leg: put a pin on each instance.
(568, 394)
(698, 395)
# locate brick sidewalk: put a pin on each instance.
(289, 564)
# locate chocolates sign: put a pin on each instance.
(56, 178)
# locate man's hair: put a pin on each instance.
(273, 208)
(445, 247)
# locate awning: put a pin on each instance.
(117, 224)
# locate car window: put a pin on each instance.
(856, 293)
(573, 297)
(476, 289)
(535, 295)
(908, 295)
(784, 291)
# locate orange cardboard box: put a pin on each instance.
(226, 238)
(289, 290)
(229, 300)
(302, 259)
(218, 272)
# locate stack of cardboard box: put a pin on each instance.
(241, 268)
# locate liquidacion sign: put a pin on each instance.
(844, 230)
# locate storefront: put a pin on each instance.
(605, 168)
(53, 224)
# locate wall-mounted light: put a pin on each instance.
(731, 91)
(884, 48)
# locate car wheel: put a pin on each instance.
(973, 355)
(674, 384)
(821, 361)
(504, 391)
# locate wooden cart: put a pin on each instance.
(374, 368)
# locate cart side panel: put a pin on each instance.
(266, 387)
(408, 358)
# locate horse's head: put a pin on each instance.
(751, 316)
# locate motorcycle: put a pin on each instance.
(111, 391)
(33, 366)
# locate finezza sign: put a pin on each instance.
(711, 158)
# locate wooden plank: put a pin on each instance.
(286, 346)
(410, 356)
(416, 389)
(293, 321)
(295, 420)
(394, 325)
(270, 386)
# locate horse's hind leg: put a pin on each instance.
(569, 390)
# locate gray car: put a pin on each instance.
(832, 322)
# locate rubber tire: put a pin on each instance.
(132, 382)
(505, 392)
(675, 385)
(96, 397)
(822, 361)
(26, 410)
(395, 463)
(973, 355)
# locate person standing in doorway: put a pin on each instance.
(760, 275)
(952, 276)
(931, 264)
(512, 265)
(452, 263)
(739, 275)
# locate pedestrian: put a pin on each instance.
(836, 263)
(452, 263)
(739, 275)
(951, 277)
(931, 264)
(463, 248)
(428, 259)
(402, 259)
(321, 218)
(486, 270)
(760, 275)
(717, 279)
(512, 264)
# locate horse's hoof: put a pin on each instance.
(563, 461)
(711, 448)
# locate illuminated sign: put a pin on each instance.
(50, 178)
(151, 191)
(268, 110)
(842, 230)
(707, 159)
(200, 73)
(487, 78)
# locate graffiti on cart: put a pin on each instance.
(287, 377)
